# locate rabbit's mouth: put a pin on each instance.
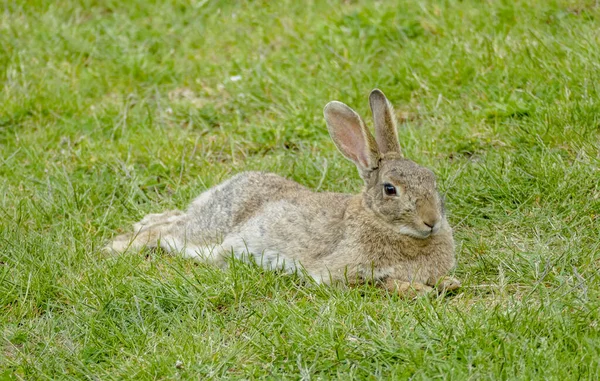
(415, 233)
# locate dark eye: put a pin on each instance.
(389, 189)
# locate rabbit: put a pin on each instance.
(394, 233)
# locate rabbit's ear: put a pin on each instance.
(351, 136)
(385, 123)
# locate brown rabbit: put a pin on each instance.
(394, 232)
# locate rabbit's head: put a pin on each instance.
(400, 193)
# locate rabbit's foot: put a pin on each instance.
(407, 289)
(119, 244)
(447, 283)
(149, 232)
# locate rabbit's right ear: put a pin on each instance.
(351, 136)
(385, 123)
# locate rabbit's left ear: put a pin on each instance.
(351, 136)
(385, 123)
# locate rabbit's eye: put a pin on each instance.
(389, 189)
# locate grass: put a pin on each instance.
(110, 110)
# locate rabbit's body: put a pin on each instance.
(279, 224)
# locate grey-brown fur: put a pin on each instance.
(400, 241)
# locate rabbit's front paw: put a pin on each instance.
(447, 283)
(407, 289)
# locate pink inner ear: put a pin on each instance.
(350, 134)
(353, 144)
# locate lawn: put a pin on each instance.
(110, 110)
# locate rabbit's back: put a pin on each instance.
(220, 209)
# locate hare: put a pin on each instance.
(394, 233)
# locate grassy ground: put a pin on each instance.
(110, 110)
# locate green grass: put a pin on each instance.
(110, 110)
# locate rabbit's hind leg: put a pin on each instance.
(150, 231)
(167, 231)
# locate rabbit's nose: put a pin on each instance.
(431, 220)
